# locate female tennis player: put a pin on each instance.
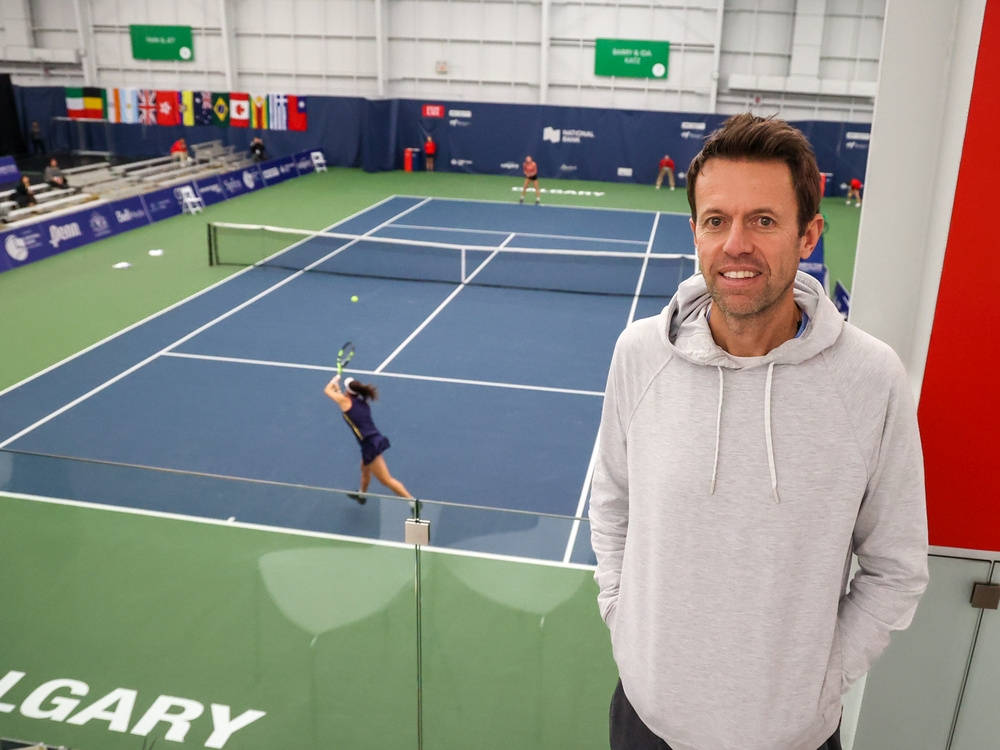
(353, 402)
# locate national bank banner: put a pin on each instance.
(585, 143)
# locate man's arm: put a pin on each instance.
(890, 539)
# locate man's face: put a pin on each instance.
(747, 234)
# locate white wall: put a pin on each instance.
(726, 55)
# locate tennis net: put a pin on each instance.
(588, 271)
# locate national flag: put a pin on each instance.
(167, 108)
(115, 105)
(239, 109)
(187, 107)
(203, 108)
(130, 105)
(220, 108)
(87, 103)
(258, 111)
(297, 113)
(147, 107)
(277, 111)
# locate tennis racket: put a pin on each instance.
(344, 356)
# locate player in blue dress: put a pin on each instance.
(353, 402)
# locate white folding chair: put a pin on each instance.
(318, 161)
(190, 202)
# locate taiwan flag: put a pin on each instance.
(239, 109)
(147, 107)
(167, 108)
(203, 108)
(296, 112)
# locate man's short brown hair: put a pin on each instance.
(748, 136)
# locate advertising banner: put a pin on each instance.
(278, 170)
(211, 191)
(162, 204)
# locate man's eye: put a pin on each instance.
(765, 221)
(714, 221)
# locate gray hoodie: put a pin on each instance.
(728, 495)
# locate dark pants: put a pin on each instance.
(629, 733)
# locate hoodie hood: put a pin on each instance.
(685, 327)
(685, 330)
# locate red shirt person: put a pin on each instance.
(430, 151)
(854, 191)
(666, 168)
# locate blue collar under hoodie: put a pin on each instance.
(690, 336)
(728, 496)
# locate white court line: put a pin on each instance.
(522, 234)
(368, 542)
(175, 305)
(444, 304)
(190, 335)
(575, 529)
(552, 205)
(399, 375)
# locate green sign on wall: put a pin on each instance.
(162, 43)
(631, 58)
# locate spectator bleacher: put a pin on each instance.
(102, 182)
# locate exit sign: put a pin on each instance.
(630, 58)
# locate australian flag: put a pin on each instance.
(203, 108)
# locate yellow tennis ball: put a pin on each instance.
(354, 298)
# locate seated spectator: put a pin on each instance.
(257, 149)
(54, 176)
(179, 150)
(22, 193)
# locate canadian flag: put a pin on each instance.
(239, 110)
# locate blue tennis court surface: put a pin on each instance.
(490, 390)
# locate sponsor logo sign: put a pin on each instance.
(16, 248)
(129, 213)
(162, 204)
(432, 110)
(624, 171)
(857, 140)
(8, 170)
(567, 167)
(211, 190)
(509, 165)
(62, 232)
(459, 113)
(560, 191)
(99, 225)
(277, 170)
(565, 135)
(461, 162)
(250, 179)
(458, 123)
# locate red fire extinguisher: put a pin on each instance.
(408, 160)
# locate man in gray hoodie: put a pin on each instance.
(751, 441)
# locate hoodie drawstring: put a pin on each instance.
(718, 431)
(767, 432)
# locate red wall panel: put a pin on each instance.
(960, 396)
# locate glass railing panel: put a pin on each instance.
(514, 653)
(143, 605)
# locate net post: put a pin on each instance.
(212, 252)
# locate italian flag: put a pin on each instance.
(86, 103)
